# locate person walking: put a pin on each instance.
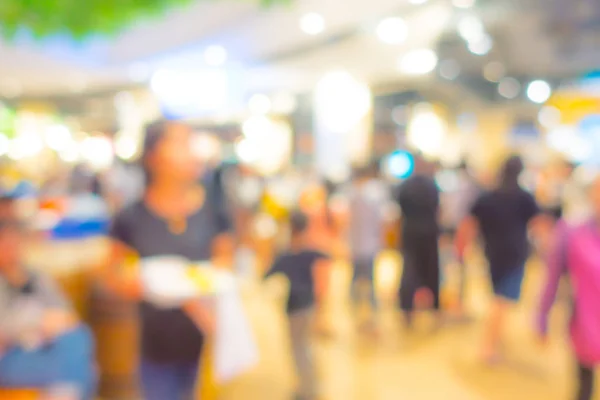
(502, 216)
(419, 200)
(576, 253)
(307, 271)
(368, 200)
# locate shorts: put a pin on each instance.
(508, 286)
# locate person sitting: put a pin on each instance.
(43, 345)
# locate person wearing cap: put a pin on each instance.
(43, 345)
(307, 270)
(175, 217)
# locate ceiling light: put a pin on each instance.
(449, 69)
(259, 104)
(509, 88)
(341, 101)
(494, 71)
(481, 46)
(312, 23)
(539, 91)
(392, 30)
(215, 56)
(471, 28)
(418, 62)
(463, 3)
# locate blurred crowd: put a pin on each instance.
(298, 225)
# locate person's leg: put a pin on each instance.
(586, 382)
(507, 289)
(355, 294)
(158, 381)
(68, 361)
(188, 378)
(371, 264)
(300, 328)
(493, 330)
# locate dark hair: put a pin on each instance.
(298, 222)
(154, 133)
(512, 169)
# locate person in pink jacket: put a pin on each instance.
(576, 252)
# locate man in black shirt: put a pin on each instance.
(418, 198)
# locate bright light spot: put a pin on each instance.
(481, 46)
(549, 117)
(215, 56)
(449, 69)
(418, 1)
(471, 28)
(4, 144)
(58, 137)
(392, 31)
(248, 151)
(494, 71)
(125, 147)
(97, 151)
(191, 91)
(256, 127)
(260, 104)
(400, 164)
(341, 101)
(418, 62)
(426, 133)
(70, 154)
(464, 4)
(24, 146)
(312, 23)
(539, 91)
(509, 88)
(565, 140)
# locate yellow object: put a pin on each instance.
(202, 278)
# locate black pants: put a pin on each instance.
(421, 269)
(586, 382)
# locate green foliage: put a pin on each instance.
(82, 18)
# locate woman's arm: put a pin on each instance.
(223, 249)
(121, 272)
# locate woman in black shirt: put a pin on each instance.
(176, 217)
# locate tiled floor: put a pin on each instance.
(442, 365)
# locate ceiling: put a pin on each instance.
(533, 38)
